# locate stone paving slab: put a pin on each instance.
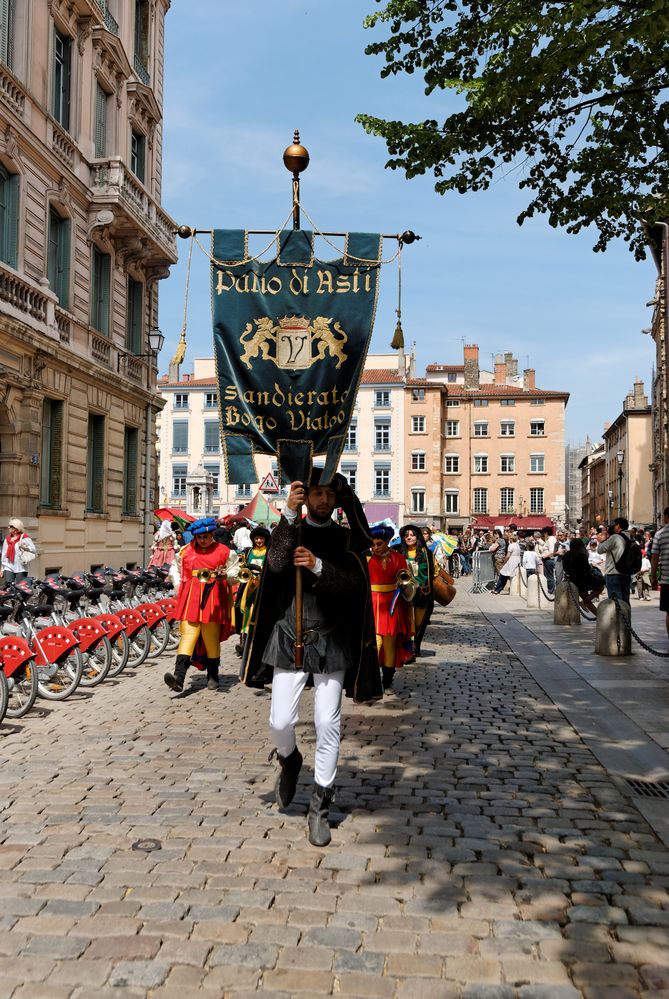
(479, 850)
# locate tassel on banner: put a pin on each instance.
(180, 352)
(398, 336)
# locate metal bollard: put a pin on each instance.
(611, 636)
(533, 592)
(565, 608)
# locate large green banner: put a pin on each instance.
(290, 340)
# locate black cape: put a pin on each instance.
(343, 588)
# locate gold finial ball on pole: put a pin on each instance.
(296, 157)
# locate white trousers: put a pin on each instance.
(287, 687)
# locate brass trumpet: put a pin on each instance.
(247, 572)
(407, 584)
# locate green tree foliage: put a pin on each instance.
(570, 97)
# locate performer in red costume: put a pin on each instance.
(391, 611)
(203, 601)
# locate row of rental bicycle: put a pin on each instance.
(63, 632)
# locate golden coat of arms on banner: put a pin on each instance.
(296, 342)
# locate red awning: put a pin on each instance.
(172, 513)
(536, 522)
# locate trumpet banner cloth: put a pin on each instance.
(290, 339)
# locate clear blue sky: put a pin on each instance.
(241, 76)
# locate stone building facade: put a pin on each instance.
(84, 242)
(658, 238)
(629, 459)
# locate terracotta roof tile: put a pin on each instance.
(189, 383)
(505, 392)
(445, 367)
(381, 376)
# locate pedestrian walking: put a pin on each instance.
(245, 598)
(579, 570)
(18, 550)
(338, 634)
(203, 603)
(421, 564)
(390, 577)
(510, 565)
(659, 565)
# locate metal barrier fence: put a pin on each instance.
(483, 571)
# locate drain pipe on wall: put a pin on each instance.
(148, 512)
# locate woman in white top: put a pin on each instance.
(530, 560)
(16, 542)
(511, 564)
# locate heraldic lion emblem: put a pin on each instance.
(296, 342)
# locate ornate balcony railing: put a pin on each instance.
(114, 184)
(100, 349)
(22, 295)
(141, 71)
(11, 93)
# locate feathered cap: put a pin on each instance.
(382, 531)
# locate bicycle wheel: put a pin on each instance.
(57, 681)
(140, 643)
(22, 690)
(175, 635)
(4, 695)
(97, 663)
(160, 636)
(120, 653)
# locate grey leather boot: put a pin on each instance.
(317, 818)
(176, 680)
(286, 782)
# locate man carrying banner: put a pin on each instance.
(338, 635)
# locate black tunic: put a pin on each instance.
(339, 600)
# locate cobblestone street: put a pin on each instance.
(479, 848)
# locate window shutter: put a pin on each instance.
(100, 122)
(5, 32)
(56, 485)
(180, 436)
(211, 438)
(105, 282)
(130, 472)
(96, 459)
(62, 260)
(134, 316)
(12, 221)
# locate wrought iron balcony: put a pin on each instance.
(141, 71)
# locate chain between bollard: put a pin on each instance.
(630, 629)
(587, 617)
(551, 599)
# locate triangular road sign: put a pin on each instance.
(269, 484)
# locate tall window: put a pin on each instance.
(142, 39)
(58, 257)
(215, 472)
(382, 398)
(351, 442)
(537, 428)
(506, 501)
(451, 501)
(382, 480)
(138, 155)
(418, 461)
(7, 11)
(418, 394)
(130, 470)
(62, 79)
(100, 137)
(133, 332)
(480, 501)
(212, 439)
(211, 400)
(181, 400)
(9, 214)
(95, 467)
(179, 473)
(507, 463)
(451, 463)
(418, 501)
(537, 463)
(481, 428)
(507, 428)
(452, 428)
(536, 500)
(382, 435)
(417, 424)
(480, 402)
(350, 473)
(451, 376)
(100, 290)
(51, 459)
(243, 490)
(481, 463)
(180, 436)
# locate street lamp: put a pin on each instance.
(156, 341)
(620, 458)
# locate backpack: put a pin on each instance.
(629, 562)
